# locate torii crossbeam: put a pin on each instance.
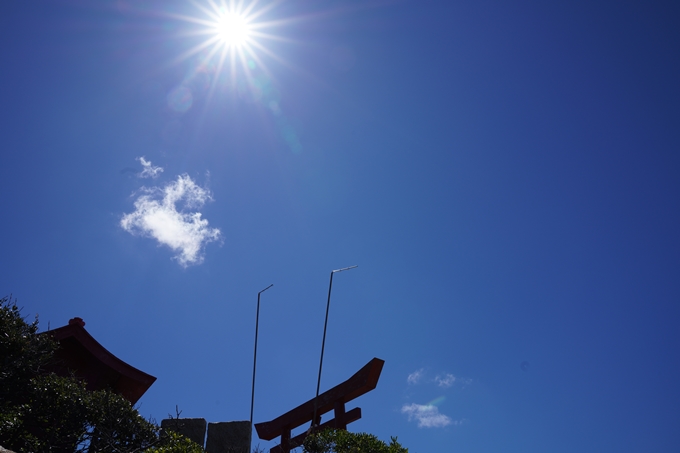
(363, 381)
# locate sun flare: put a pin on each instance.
(228, 47)
(233, 32)
(232, 29)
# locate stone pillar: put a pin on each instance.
(193, 428)
(229, 437)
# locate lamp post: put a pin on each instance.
(257, 321)
(323, 342)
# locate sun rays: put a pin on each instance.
(234, 33)
(229, 38)
(227, 47)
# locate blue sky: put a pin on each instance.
(504, 174)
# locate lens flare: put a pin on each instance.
(232, 33)
(231, 41)
(437, 401)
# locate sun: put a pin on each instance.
(233, 29)
(228, 45)
(232, 33)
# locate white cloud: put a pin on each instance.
(427, 415)
(446, 381)
(156, 215)
(415, 377)
(149, 170)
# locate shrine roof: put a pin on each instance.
(81, 354)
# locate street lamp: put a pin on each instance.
(323, 342)
(257, 321)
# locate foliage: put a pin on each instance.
(117, 426)
(43, 412)
(30, 424)
(22, 352)
(341, 441)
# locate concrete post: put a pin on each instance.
(229, 437)
(193, 428)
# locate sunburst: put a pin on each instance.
(236, 41)
(234, 32)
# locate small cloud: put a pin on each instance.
(427, 416)
(445, 381)
(156, 215)
(149, 170)
(415, 377)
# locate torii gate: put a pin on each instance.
(363, 381)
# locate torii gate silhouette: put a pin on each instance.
(363, 381)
